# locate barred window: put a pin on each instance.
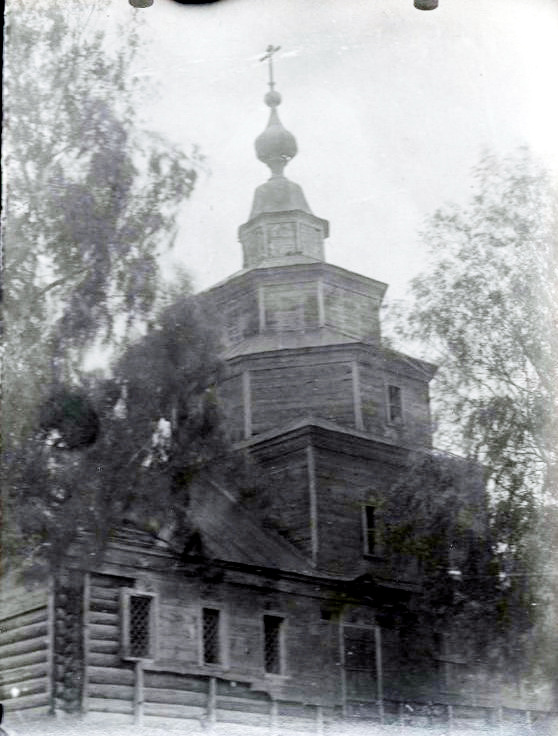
(273, 644)
(211, 636)
(138, 625)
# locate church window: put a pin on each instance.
(273, 645)
(369, 523)
(372, 530)
(211, 635)
(395, 404)
(138, 624)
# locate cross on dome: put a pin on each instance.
(275, 146)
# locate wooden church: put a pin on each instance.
(275, 632)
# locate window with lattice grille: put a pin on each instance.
(138, 625)
(273, 644)
(211, 635)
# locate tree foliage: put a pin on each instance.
(124, 447)
(90, 199)
(485, 310)
(474, 587)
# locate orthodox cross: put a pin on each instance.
(270, 50)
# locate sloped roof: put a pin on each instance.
(229, 532)
(262, 343)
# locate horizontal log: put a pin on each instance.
(98, 593)
(119, 692)
(104, 617)
(176, 711)
(110, 581)
(106, 646)
(108, 705)
(244, 704)
(26, 687)
(108, 606)
(295, 710)
(24, 660)
(104, 659)
(178, 697)
(110, 675)
(25, 702)
(239, 690)
(30, 631)
(20, 674)
(104, 631)
(23, 619)
(29, 715)
(175, 682)
(22, 647)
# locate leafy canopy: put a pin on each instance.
(90, 200)
(127, 447)
(485, 310)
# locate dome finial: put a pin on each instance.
(275, 146)
(270, 50)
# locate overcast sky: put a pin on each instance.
(391, 107)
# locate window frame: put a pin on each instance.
(125, 595)
(281, 643)
(378, 549)
(395, 421)
(223, 653)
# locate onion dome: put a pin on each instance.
(275, 146)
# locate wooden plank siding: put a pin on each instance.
(231, 399)
(352, 313)
(344, 483)
(293, 390)
(240, 316)
(372, 395)
(291, 306)
(25, 648)
(285, 501)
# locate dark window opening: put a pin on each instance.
(395, 406)
(140, 625)
(211, 643)
(369, 530)
(272, 644)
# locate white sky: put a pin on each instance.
(391, 107)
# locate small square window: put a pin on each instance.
(395, 405)
(211, 635)
(273, 644)
(138, 625)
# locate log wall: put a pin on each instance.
(26, 626)
(109, 680)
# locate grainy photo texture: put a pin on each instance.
(247, 489)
